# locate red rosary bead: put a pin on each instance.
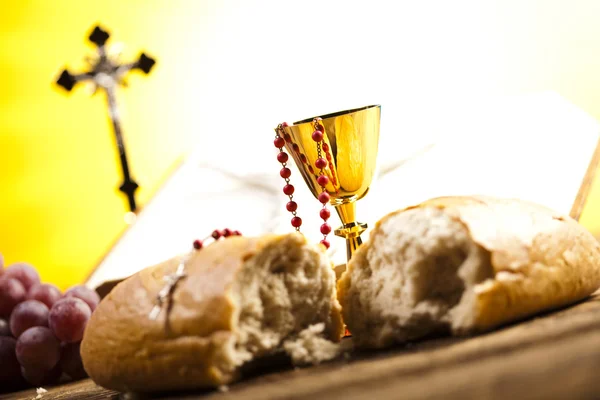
(322, 180)
(285, 172)
(291, 206)
(216, 235)
(282, 157)
(279, 142)
(288, 189)
(324, 197)
(325, 229)
(284, 124)
(317, 136)
(296, 222)
(320, 163)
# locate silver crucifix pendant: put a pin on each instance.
(164, 294)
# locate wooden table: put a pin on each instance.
(554, 356)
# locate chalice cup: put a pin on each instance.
(350, 143)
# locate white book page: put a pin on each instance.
(535, 148)
(195, 201)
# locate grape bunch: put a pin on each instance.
(40, 328)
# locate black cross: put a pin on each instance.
(106, 73)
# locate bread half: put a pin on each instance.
(464, 265)
(242, 299)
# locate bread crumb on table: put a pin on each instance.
(310, 347)
(40, 391)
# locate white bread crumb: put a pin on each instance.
(310, 347)
(40, 391)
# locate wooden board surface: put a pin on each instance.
(554, 356)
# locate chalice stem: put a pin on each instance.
(352, 245)
(351, 229)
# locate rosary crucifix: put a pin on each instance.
(106, 73)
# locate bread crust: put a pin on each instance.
(541, 259)
(123, 349)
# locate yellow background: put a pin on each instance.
(228, 66)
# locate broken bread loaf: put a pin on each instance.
(242, 299)
(464, 265)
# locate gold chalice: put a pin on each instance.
(350, 142)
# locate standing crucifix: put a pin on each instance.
(106, 73)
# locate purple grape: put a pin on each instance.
(4, 328)
(70, 361)
(26, 315)
(39, 377)
(46, 293)
(86, 294)
(12, 293)
(38, 349)
(24, 273)
(10, 369)
(68, 318)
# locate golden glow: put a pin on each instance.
(226, 64)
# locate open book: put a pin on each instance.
(538, 147)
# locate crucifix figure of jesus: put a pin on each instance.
(107, 73)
